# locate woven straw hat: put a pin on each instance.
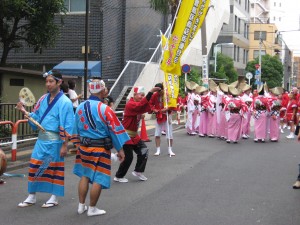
(223, 87)
(234, 84)
(233, 91)
(191, 85)
(277, 90)
(245, 87)
(266, 88)
(259, 88)
(212, 85)
(201, 89)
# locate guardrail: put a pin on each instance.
(14, 130)
(9, 113)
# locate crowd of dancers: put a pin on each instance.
(225, 111)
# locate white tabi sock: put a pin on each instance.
(52, 199)
(31, 198)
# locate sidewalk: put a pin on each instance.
(23, 154)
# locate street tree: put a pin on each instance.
(271, 70)
(165, 6)
(28, 22)
(225, 69)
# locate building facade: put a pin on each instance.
(263, 40)
(119, 30)
(267, 16)
(236, 33)
(295, 78)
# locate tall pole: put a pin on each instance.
(86, 50)
(215, 52)
(205, 67)
(259, 57)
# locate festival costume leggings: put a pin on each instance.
(141, 151)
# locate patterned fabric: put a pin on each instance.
(46, 170)
(257, 113)
(95, 120)
(94, 163)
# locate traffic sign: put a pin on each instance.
(257, 66)
(249, 75)
(186, 68)
(257, 72)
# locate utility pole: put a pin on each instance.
(259, 57)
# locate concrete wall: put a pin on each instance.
(10, 94)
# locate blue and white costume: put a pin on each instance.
(46, 170)
(95, 122)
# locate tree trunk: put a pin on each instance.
(5, 52)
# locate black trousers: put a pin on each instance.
(141, 151)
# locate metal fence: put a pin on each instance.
(9, 113)
(133, 69)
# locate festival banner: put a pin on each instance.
(189, 20)
(172, 90)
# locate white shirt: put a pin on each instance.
(73, 95)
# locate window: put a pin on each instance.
(247, 32)
(248, 6)
(234, 53)
(244, 58)
(274, 3)
(16, 82)
(279, 4)
(239, 25)
(279, 18)
(235, 23)
(256, 53)
(238, 54)
(257, 35)
(274, 18)
(75, 5)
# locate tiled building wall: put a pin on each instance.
(120, 30)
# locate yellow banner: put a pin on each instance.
(189, 20)
(171, 90)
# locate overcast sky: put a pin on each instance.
(291, 21)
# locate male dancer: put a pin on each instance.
(134, 108)
(96, 131)
(54, 111)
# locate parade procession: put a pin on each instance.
(151, 112)
(225, 111)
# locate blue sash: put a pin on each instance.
(51, 104)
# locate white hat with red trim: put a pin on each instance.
(139, 90)
(96, 85)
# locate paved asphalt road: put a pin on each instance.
(208, 182)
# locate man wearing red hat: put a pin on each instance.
(134, 108)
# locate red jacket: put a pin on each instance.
(156, 104)
(132, 115)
